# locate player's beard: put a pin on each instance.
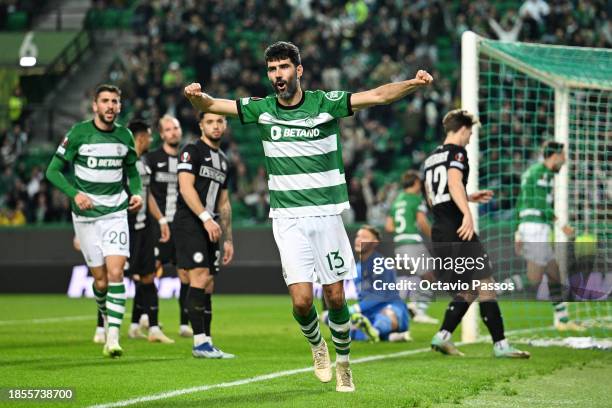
(290, 88)
(102, 118)
(216, 141)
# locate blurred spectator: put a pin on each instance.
(508, 30)
(16, 103)
(14, 215)
(534, 13)
(357, 200)
(173, 77)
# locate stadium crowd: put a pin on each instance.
(349, 45)
(25, 194)
(17, 14)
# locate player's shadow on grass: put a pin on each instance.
(279, 398)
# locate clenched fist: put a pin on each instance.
(193, 90)
(423, 77)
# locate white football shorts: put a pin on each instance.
(314, 249)
(103, 237)
(536, 247)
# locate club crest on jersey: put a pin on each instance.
(198, 257)
(459, 157)
(223, 166)
(185, 157)
(334, 95)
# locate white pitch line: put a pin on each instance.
(259, 378)
(48, 320)
(278, 374)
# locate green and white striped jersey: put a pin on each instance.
(404, 214)
(98, 158)
(535, 201)
(303, 151)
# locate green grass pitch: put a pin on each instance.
(38, 352)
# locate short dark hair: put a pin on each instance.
(551, 147)
(409, 178)
(457, 118)
(106, 88)
(372, 230)
(282, 50)
(138, 126)
(202, 114)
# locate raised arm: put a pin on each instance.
(391, 92)
(206, 103)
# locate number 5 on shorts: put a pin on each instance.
(334, 260)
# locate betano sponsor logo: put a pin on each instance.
(277, 132)
(93, 162)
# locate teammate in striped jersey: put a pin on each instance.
(407, 220)
(301, 141)
(536, 218)
(98, 151)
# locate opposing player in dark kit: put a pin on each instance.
(164, 188)
(142, 244)
(203, 219)
(446, 173)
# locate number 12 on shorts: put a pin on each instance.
(334, 260)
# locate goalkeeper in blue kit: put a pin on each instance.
(380, 314)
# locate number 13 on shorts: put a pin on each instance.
(335, 261)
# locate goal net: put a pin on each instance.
(525, 94)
